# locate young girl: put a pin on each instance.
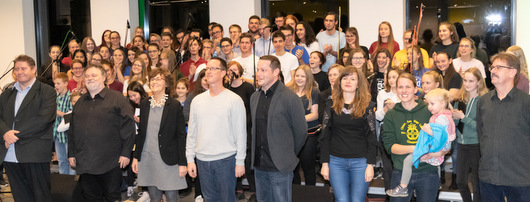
(316, 59)
(440, 136)
(416, 66)
(377, 80)
(452, 81)
(464, 114)
(352, 42)
(447, 41)
(138, 73)
(466, 57)
(358, 60)
(154, 54)
(182, 90)
(104, 51)
(119, 62)
(305, 87)
(385, 39)
(89, 46)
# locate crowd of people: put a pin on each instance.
(169, 109)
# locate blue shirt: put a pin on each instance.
(21, 94)
(305, 55)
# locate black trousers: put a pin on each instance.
(104, 187)
(308, 159)
(29, 181)
(468, 158)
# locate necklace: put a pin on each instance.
(158, 103)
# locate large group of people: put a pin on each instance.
(171, 108)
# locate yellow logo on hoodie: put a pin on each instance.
(411, 129)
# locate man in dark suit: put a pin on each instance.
(278, 134)
(28, 111)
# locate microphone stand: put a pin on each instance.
(59, 56)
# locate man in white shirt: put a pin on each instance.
(288, 61)
(328, 40)
(247, 60)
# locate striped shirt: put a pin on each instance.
(63, 105)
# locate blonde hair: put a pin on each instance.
(310, 83)
(473, 47)
(390, 41)
(437, 77)
(518, 51)
(441, 95)
(463, 95)
(362, 93)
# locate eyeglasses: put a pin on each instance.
(218, 32)
(213, 68)
(152, 51)
(465, 46)
(357, 58)
(226, 46)
(492, 67)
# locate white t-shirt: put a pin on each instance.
(459, 64)
(248, 65)
(323, 39)
(315, 46)
(288, 63)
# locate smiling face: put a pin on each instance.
(90, 45)
(406, 90)
(471, 82)
(443, 62)
(94, 80)
(349, 83)
(245, 45)
(358, 60)
(24, 73)
(444, 33)
(300, 78)
(382, 60)
(80, 56)
(138, 42)
(134, 96)
(266, 76)
(465, 48)
(350, 38)
(136, 68)
(333, 74)
(214, 72)
(77, 69)
(428, 83)
(226, 47)
(118, 57)
(345, 56)
(300, 31)
(253, 25)
(181, 90)
(288, 36)
(158, 84)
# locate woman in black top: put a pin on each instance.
(452, 81)
(381, 63)
(316, 59)
(348, 142)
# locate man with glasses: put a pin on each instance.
(503, 129)
(400, 57)
(298, 51)
(264, 43)
(216, 142)
(227, 50)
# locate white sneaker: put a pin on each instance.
(130, 191)
(199, 198)
(144, 197)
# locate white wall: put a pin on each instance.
(113, 15)
(18, 35)
(522, 30)
(367, 15)
(228, 12)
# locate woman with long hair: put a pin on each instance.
(138, 73)
(119, 62)
(430, 81)
(352, 42)
(348, 142)
(139, 42)
(466, 57)
(381, 63)
(447, 41)
(162, 125)
(359, 61)
(89, 46)
(305, 87)
(316, 60)
(105, 39)
(104, 51)
(415, 65)
(305, 37)
(452, 81)
(291, 20)
(385, 39)
(464, 114)
(324, 97)
(522, 83)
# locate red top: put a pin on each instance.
(185, 67)
(73, 87)
(383, 45)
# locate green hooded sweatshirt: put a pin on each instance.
(402, 126)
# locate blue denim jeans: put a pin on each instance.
(218, 179)
(61, 150)
(273, 186)
(346, 176)
(490, 192)
(425, 184)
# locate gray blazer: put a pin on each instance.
(286, 127)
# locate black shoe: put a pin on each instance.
(253, 198)
(185, 192)
(453, 185)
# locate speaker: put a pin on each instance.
(312, 193)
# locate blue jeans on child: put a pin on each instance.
(62, 157)
(346, 176)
